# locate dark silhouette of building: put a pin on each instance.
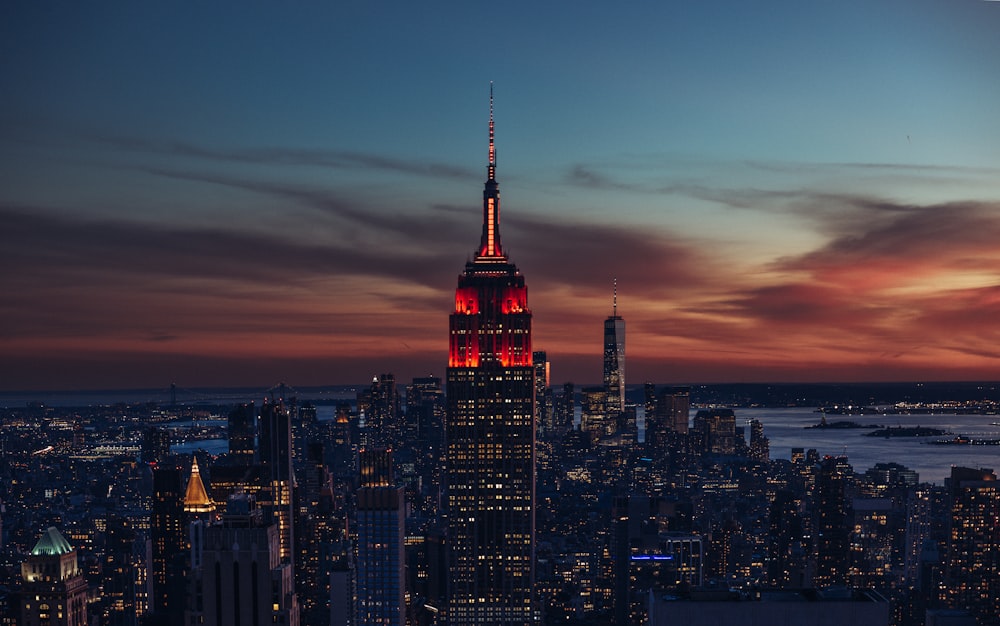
(155, 444)
(122, 565)
(242, 434)
(242, 578)
(490, 434)
(168, 533)
(667, 411)
(788, 547)
(566, 407)
(760, 448)
(715, 431)
(54, 591)
(276, 476)
(832, 527)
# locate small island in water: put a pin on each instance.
(843, 424)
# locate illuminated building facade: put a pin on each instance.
(972, 578)
(490, 433)
(196, 501)
(55, 591)
(614, 361)
(543, 392)
(381, 564)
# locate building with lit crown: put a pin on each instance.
(490, 433)
(54, 591)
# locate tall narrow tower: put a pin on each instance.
(274, 443)
(490, 433)
(614, 361)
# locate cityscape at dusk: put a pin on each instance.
(783, 192)
(270, 355)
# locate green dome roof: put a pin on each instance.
(52, 543)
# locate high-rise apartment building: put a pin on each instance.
(972, 579)
(490, 433)
(614, 361)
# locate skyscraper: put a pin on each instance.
(275, 454)
(242, 578)
(490, 433)
(543, 392)
(242, 432)
(169, 543)
(614, 361)
(973, 567)
(381, 568)
(832, 531)
(55, 591)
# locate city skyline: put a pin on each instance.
(208, 196)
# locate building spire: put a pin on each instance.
(492, 170)
(490, 246)
(196, 498)
(614, 301)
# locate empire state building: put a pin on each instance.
(490, 433)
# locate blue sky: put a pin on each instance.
(248, 192)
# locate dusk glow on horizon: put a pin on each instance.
(242, 194)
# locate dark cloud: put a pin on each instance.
(59, 244)
(276, 156)
(903, 240)
(413, 226)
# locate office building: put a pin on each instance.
(544, 411)
(380, 561)
(242, 578)
(274, 444)
(54, 591)
(614, 360)
(490, 433)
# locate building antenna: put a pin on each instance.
(614, 309)
(493, 152)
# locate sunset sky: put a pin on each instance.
(244, 193)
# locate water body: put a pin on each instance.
(211, 446)
(164, 396)
(785, 428)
